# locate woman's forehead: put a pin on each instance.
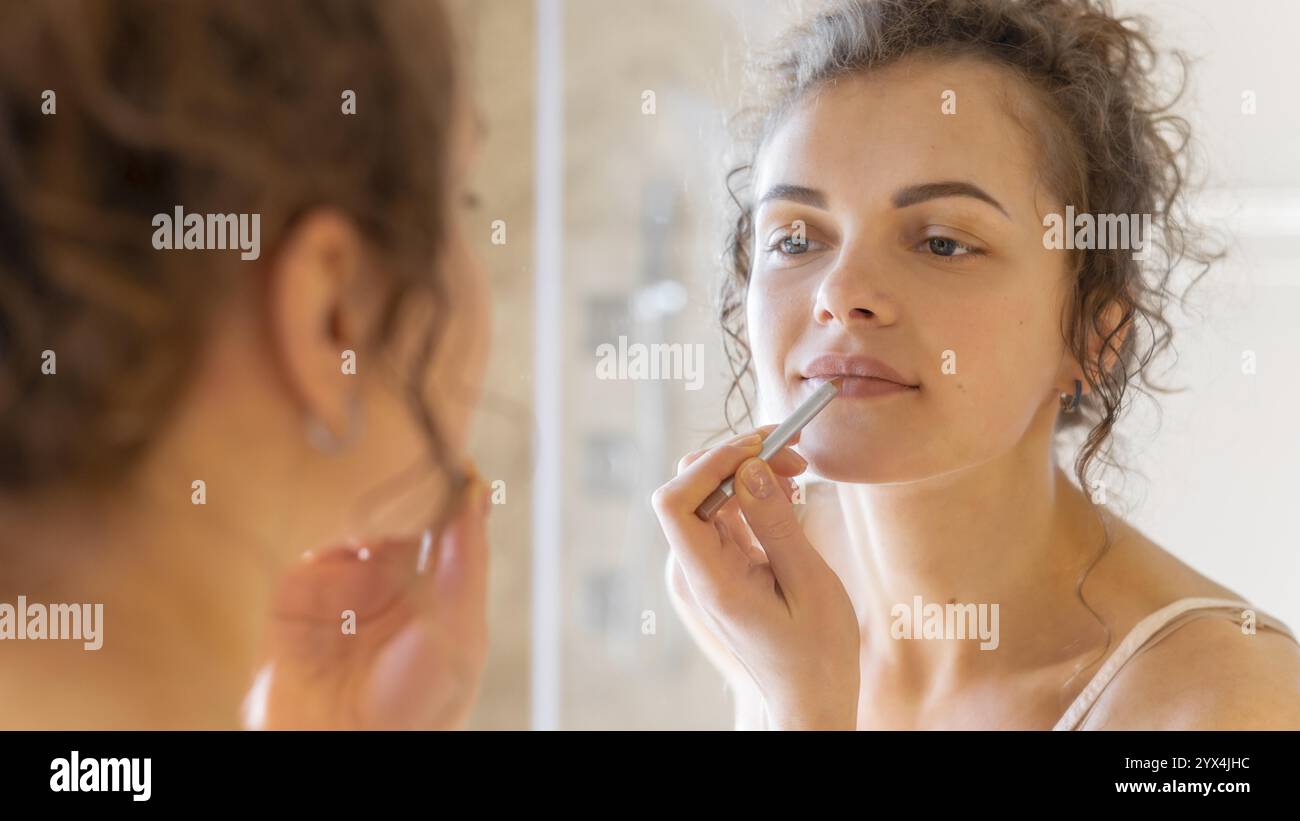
(902, 124)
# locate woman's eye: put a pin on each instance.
(948, 247)
(789, 245)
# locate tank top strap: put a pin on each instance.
(1146, 633)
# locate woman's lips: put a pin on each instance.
(862, 376)
(862, 386)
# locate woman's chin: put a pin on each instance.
(843, 460)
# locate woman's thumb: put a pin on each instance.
(461, 571)
(771, 517)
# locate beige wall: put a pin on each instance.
(500, 35)
(630, 181)
(643, 202)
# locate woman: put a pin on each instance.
(180, 425)
(893, 233)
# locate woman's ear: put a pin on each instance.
(314, 314)
(1098, 331)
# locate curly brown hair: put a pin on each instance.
(1107, 143)
(225, 107)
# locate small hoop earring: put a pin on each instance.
(324, 440)
(1070, 404)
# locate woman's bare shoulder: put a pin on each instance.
(1209, 672)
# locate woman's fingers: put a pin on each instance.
(364, 579)
(728, 516)
(707, 558)
(683, 494)
(405, 673)
(698, 474)
(390, 633)
(368, 578)
(690, 458)
(459, 576)
(771, 518)
(432, 665)
(787, 463)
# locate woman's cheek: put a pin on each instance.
(771, 333)
(992, 400)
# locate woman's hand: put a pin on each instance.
(361, 637)
(775, 605)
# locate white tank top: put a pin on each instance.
(1146, 634)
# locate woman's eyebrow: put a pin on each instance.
(794, 193)
(913, 194)
(903, 197)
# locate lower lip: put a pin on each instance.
(857, 387)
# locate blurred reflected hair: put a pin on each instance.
(223, 106)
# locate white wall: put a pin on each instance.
(1223, 489)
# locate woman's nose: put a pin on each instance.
(849, 294)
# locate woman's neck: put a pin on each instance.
(1011, 537)
(184, 595)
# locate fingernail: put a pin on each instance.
(332, 554)
(758, 479)
(426, 544)
(750, 441)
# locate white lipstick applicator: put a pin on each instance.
(778, 439)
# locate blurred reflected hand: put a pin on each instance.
(414, 653)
